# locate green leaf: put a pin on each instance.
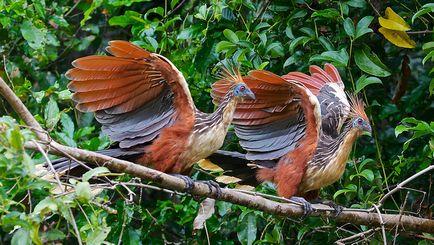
(35, 37)
(275, 50)
(343, 191)
(45, 206)
(127, 3)
(21, 237)
(339, 58)
(94, 172)
(430, 55)
(51, 113)
(95, 4)
(153, 42)
(326, 43)
(427, 8)
(261, 25)
(158, 10)
(349, 27)
(15, 140)
(83, 192)
(231, 36)
(296, 42)
(330, 13)
(54, 234)
(67, 124)
(129, 18)
(291, 60)
(224, 46)
(363, 26)
(357, 3)
(364, 81)
(98, 235)
(370, 63)
(246, 228)
(296, 14)
(367, 174)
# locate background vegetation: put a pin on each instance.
(40, 38)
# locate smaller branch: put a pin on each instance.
(356, 236)
(402, 184)
(383, 230)
(375, 9)
(419, 32)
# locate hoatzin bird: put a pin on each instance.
(143, 103)
(298, 133)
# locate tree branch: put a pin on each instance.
(408, 223)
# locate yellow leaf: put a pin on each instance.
(244, 187)
(209, 166)
(393, 21)
(399, 38)
(227, 179)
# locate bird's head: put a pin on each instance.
(240, 90)
(360, 121)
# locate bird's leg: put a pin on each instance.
(338, 208)
(189, 182)
(307, 206)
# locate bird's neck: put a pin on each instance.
(221, 117)
(226, 108)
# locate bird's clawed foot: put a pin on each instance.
(189, 182)
(307, 207)
(212, 184)
(338, 208)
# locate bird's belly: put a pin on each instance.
(204, 144)
(317, 177)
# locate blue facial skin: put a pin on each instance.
(362, 124)
(243, 91)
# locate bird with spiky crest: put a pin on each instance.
(298, 133)
(144, 105)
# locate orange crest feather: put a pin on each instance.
(357, 107)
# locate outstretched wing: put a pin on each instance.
(278, 121)
(134, 93)
(327, 85)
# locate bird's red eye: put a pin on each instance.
(242, 88)
(359, 121)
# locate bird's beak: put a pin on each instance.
(367, 128)
(250, 94)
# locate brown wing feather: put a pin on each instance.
(133, 78)
(120, 48)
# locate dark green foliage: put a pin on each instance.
(39, 39)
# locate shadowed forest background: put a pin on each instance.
(387, 61)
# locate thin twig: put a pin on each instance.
(383, 230)
(356, 236)
(419, 32)
(123, 227)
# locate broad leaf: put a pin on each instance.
(35, 37)
(363, 26)
(399, 38)
(94, 172)
(393, 21)
(349, 27)
(364, 81)
(231, 36)
(370, 63)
